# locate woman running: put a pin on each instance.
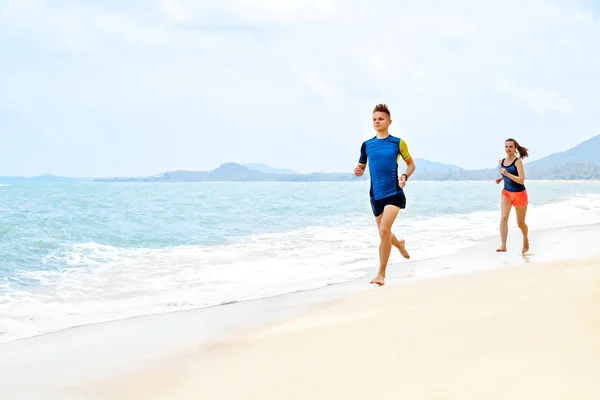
(514, 192)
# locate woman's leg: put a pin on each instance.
(521, 212)
(505, 207)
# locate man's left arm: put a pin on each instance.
(405, 154)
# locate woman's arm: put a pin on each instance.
(499, 168)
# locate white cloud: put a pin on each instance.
(285, 11)
(379, 66)
(539, 100)
(253, 11)
(318, 85)
(175, 12)
(455, 74)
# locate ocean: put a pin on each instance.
(76, 254)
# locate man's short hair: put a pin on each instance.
(382, 108)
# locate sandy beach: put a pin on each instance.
(472, 325)
(523, 332)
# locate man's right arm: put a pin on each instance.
(362, 160)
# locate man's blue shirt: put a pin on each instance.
(383, 156)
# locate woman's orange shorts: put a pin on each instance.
(517, 199)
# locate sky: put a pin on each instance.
(95, 88)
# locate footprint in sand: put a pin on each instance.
(409, 269)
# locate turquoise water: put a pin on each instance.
(76, 254)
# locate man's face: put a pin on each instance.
(381, 121)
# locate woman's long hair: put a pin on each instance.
(523, 151)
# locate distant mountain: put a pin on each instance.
(424, 166)
(433, 166)
(235, 172)
(44, 178)
(269, 170)
(580, 162)
(54, 178)
(585, 152)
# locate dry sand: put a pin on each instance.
(526, 332)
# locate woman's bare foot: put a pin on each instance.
(378, 280)
(403, 249)
(501, 249)
(525, 245)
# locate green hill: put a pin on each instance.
(579, 162)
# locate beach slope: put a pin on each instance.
(525, 332)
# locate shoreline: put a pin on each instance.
(108, 350)
(484, 258)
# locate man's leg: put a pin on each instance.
(397, 243)
(388, 217)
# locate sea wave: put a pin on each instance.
(100, 283)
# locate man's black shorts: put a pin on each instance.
(398, 200)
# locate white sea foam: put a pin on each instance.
(102, 283)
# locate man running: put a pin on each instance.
(383, 153)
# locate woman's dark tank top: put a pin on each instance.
(509, 184)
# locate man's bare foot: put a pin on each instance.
(403, 249)
(501, 250)
(525, 245)
(378, 280)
